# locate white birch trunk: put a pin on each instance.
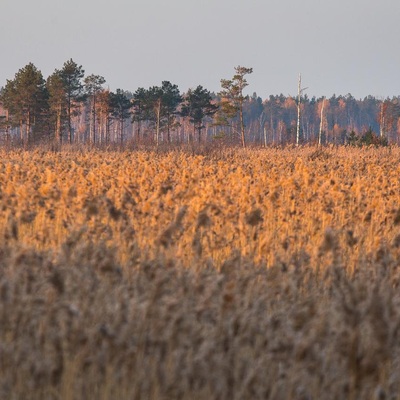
(298, 111)
(321, 123)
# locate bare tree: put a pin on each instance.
(299, 93)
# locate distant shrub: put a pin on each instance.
(368, 138)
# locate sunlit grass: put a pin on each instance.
(258, 273)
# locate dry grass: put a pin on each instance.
(247, 274)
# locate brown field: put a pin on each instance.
(238, 274)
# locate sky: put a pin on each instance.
(339, 47)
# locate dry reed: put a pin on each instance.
(243, 274)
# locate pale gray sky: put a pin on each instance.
(342, 46)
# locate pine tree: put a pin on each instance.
(57, 103)
(154, 100)
(104, 115)
(160, 105)
(120, 110)
(25, 97)
(171, 99)
(232, 93)
(72, 75)
(93, 84)
(197, 106)
(139, 109)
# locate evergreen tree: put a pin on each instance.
(57, 103)
(104, 115)
(232, 92)
(197, 106)
(121, 110)
(93, 85)
(160, 107)
(154, 105)
(226, 113)
(72, 75)
(140, 109)
(25, 97)
(171, 99)
(10, 103)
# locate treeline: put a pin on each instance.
(337, 120)
(69, 107)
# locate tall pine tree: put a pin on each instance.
(120, 110)
(57, 103)
(232, 94)
(171, 99)
(25, 98)
(72, 75)
(139, 109)
(94, 85)
(197, 106)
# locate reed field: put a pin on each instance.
(228, 274)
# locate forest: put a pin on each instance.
(71, 107)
